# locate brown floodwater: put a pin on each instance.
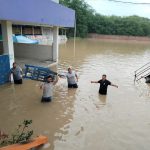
(81, 119)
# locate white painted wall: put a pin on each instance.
(29, 51)
(8, 47)
(55, 43)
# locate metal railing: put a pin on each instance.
(142, 72)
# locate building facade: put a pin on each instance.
(18, 17)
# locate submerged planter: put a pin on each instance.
(40, 140)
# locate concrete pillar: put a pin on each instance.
(8, 46)
(55, 44)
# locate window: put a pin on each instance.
(37, 31)
(27, 30)
(16, 29)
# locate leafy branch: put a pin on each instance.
(20, 135)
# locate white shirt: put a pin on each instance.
(71, 77)
(17, 73)
(47, 89)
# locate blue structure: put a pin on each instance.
(37, 73)
(45, 12)
(4, 69)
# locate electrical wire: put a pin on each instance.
(129, 2)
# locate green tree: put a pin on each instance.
(88, 21)
(83, 13)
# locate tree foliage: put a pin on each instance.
(88, 21)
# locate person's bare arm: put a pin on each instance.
(94, 82)
(41, 86)
(56, 80)
(9, 76)
(76, 77)
(114, 85)
(21, 71)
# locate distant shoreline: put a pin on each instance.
(119, 37)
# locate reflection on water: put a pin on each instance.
(82, 119)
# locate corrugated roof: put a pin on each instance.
(38, 12)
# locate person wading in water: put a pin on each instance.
(104, 85)
(72, 78)
(47, 88)
(17, 73)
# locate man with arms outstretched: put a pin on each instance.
(104, 84)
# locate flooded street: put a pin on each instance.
(81, 119)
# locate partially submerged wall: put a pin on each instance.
(118, 37)
(30, 51)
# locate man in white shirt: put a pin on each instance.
(48, 88)
(17, 73)
(72, 78)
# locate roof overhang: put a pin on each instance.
(37, 12)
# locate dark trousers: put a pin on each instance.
(72, 86)
(18, 81)
(102, 92)
(46, 99)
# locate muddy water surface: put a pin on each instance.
(82, 119)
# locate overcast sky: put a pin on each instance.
(106, 7)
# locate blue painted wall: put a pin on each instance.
(4, 69)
